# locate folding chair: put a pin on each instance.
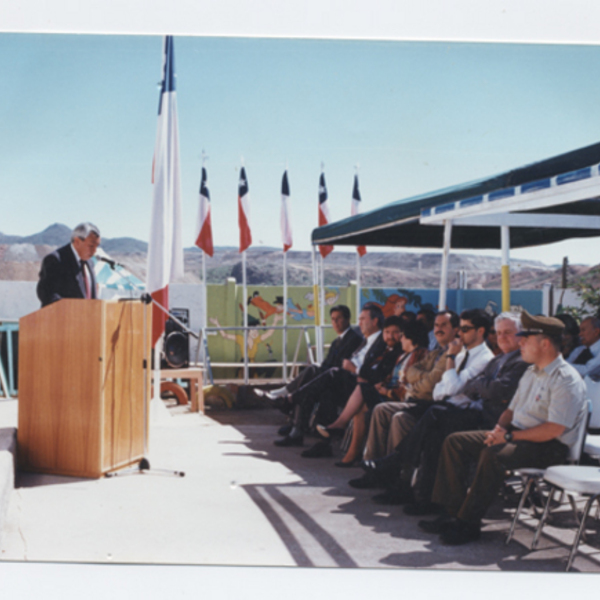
(572, 479)
(533, 477)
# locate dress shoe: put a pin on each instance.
(390, 497)
(284, 430)
(330, 433)
(319, 450)
(368, 481)
(288, 441)
(461, 533)
(422, 509)
(345, 465)
(440, 525)
(271, 395)
(368, 466)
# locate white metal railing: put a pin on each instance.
(246, 364)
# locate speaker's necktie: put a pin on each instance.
(86, 279)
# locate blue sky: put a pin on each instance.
(79, 122)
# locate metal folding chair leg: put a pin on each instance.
(523, 499)
(540, 526)
(579, 533)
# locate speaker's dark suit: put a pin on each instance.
(333, 387)
(340, 349)
(61, 276)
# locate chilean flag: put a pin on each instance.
(362, 250)
(286, 225)
(323, 213)
(165, 249)
(204, 239)
(244, 212)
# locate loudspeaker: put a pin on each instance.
(176, 350)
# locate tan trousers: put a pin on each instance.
(390, 423)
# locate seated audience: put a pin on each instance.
(586, 358)
(414, 341)
(391, 421)
(427, 316)
(536, 430)
(346, 342)
(378, 371)
(492, 340)
(570, 336)
(490, 392)
(335, 385)
(466, 357)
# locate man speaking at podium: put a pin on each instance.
(65, 273)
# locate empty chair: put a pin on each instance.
(571, 479)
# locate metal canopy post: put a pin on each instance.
(358, 287)
(321, 307)
(316, 307)
(505, 246)
(445, 261)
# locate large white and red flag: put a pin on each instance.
(285, 219)
(323, 212)
(204, 239)
(244, 212)
(362, 250)
(165, 249)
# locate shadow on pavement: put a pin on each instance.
(285, 508)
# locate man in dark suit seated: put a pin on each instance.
(65, 273)
(333, 387)
(341, 348)
(586, 358)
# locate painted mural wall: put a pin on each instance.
(266, 310)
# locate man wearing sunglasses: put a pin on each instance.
(467, 356)
(537, 430)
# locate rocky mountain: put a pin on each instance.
(20, 259)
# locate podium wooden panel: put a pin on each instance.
(81, 387)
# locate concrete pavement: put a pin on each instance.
(244, 501)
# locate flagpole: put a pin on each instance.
(165, 248)
(205, 318)
(286, 235)
(360, 250)
(245, 304)
(285, 294)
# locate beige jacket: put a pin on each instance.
(422, 376)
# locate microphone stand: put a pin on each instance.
(144, 465)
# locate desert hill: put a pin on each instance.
(20, 258)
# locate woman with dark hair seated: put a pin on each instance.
(415, 340)
(570, 335)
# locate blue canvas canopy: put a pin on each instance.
(565, 185)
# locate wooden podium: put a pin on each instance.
(81, 387)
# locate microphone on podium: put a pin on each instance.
(110, 262)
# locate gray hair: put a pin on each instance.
(83, 230)
(595, 321)
(509, 316)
